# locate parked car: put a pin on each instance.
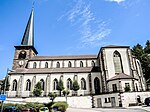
(11, 109)
(147, 101)
(44, 109)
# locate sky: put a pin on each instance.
(72, 27)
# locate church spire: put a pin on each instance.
(28, 37)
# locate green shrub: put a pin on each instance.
(49, 105)
(62, 106)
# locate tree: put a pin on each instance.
(138, 51)
(60, 86)
(143, 54)
(147, 47)
(66, 93)
(3, 83)
(38, 89)
(52, 96)
(76, 86)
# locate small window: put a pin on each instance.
(58, 65)
(109, 100)
(42, 84)
(69, 64)
(22, 55)
(46, 65)
(34, 65)
(28, 85)
(83, 84)
(114, 86)
(69, 84)
(14, 88)
(55, 84)
(81, 64)
(105, 100)
(93, 64)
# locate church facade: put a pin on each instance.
(112, 69)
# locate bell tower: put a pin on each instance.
(26, 50)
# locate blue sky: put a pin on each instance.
(72, 27)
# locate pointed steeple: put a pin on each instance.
(28, 37)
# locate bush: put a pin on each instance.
(49, 105)
(61, 106)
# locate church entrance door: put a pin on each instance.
(97, 85)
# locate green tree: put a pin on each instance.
(76, 86)
(138, 51)
(52, 96)
(37, 89)
(6, 84)
(147, 47)
(60, 86)
(143, 54)
(66, 93)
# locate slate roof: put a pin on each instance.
(73, 57)
(115, 46)
(52, 70)
(121, 76)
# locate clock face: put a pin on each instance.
(21, 62)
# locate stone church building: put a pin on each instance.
(112, 69)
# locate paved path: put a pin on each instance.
(132, 109)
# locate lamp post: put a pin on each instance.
(4, 92)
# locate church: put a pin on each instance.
(113, 69)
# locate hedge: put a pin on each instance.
(60, 106)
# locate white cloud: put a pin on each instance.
(117, 1)
(91, 29)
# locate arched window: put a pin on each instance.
(93, 64)
(97, 85)
(34, 65)
(58, 65)
(14, 88)
(22, 55)
(117, 62)
(69, 84)
(28, 85)
(83, 84)
(55, 84)
(69, 64)
(81, 64)
(42, 84)
(46, 65)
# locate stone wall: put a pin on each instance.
(78, 102)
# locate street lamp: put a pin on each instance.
(4, 92)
